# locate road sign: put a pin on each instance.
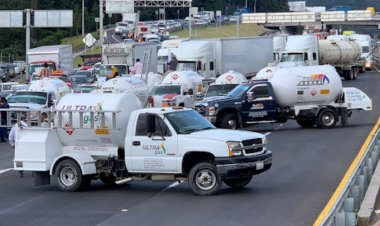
(53, 18)
(89, 40)
(11, 18)
(120, 6)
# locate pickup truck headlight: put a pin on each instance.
(211, 110)
(232, 146)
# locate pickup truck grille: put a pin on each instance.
(247, 143)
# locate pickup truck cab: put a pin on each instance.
(167, 144)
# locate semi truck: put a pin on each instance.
(213, 57)
(108, 136)
(311, 95)
(307, 50)
(224, 84)
(127, 54)
(178, 88)
(366, 44)
(57, 57)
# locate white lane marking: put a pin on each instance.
(5, 170)
(376, 69)
(173, 185)
(277, 128)
(114, 38)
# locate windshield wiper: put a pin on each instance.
(207, 128)
(190, 131)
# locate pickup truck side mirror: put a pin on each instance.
(151, 126)
(250, 96)
(191, 92)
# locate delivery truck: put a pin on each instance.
(311, 95)
(57, 57)
(308, 50)
(127, 53)
(108, 136)
(224, 84)
(178, 88)
(213, 57)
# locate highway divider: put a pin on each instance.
(343, 206)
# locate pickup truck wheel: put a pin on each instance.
(108, 179)
(229, 121)
(306, 122)
(238, 182)
(204, 179)
(69, 176)
(327, 119)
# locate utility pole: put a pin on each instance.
(101, 38)
(82, 18)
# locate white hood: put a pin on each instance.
(226, 135)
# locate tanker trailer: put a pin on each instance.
(311, 95)
(307, 50)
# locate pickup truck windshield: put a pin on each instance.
(219, 90)
(239, 90)
(162, 90)
(295, 57)
(106, 70)
(186, 122)
(37, 67)
(28, 97)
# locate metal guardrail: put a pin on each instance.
(349, 196)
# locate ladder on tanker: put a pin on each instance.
(146, 63)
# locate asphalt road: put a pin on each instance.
(307, 167)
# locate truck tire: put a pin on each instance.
(69, 176)
(238, 182)
(356, 73)
(108, 179)
(326, 118)
(204, 179)
(229, 121)
(306, 122)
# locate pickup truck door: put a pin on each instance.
(155, 152)
(259, 105)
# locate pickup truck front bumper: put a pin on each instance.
(235, 167)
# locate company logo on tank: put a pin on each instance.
(314, 80)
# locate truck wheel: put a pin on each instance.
(229, 121)
(204, 179)
(238, 182)
(70, 178)
(356, 73)
(326, 118)
(108, 179)
(306, 122)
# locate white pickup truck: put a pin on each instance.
(111, 138)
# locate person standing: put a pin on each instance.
(137, 68)
(173, 63)
(45, 72)
(3, 123)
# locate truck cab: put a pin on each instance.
(224, 84)
(178, 88)
(246, 104)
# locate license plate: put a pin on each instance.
(259, 165)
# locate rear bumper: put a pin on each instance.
(235, 167)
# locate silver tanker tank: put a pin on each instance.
(72, 135)
(308, 85)
(338, 52)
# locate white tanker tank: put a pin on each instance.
(225, 83)
(131, 84)
(338, 52)
(56, 86)
(71, 135)
(153, 79)
(309, 85)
